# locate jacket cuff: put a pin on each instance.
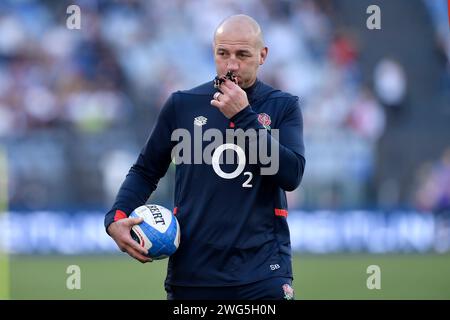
(246, 119)
(113, 216)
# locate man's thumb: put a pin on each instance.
(134, 221)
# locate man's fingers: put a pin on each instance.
(216, 103)
(127, 241)
(137, 247)
(225, 89)
(225, 85)
(228, 84)
(138, 256)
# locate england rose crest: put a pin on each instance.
(288, 292)
(265, 120)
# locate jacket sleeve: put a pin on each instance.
(290, 146)
(150, 166)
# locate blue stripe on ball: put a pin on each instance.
(162, 243)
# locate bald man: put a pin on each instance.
(232, 211)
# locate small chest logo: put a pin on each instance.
(265, 120)
(288, 292)
(200, 121)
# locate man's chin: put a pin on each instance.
(241, 83)
(244, 85)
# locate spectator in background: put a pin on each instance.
(390, 83)
(433, 190)
(366, 116)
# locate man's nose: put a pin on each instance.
(233, 65)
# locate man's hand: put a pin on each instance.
(120, 232)
(231, 101)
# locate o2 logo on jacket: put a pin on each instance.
(241, 163)
(192, 149)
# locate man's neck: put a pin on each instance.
(249, 85)
(250, 89)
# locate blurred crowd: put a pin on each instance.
(77, 105)
(433, 186)
(439, 13)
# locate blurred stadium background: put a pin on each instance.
(76, 106)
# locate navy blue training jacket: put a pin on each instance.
(231, 234)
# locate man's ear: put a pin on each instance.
(263, 55)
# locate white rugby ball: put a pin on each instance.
(159, 233)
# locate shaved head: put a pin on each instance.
(242, 25)
(239, 48)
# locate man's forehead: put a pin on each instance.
(227, 39)
(234, 46)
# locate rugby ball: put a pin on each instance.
(159, 233)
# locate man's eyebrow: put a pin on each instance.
(244, 51)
